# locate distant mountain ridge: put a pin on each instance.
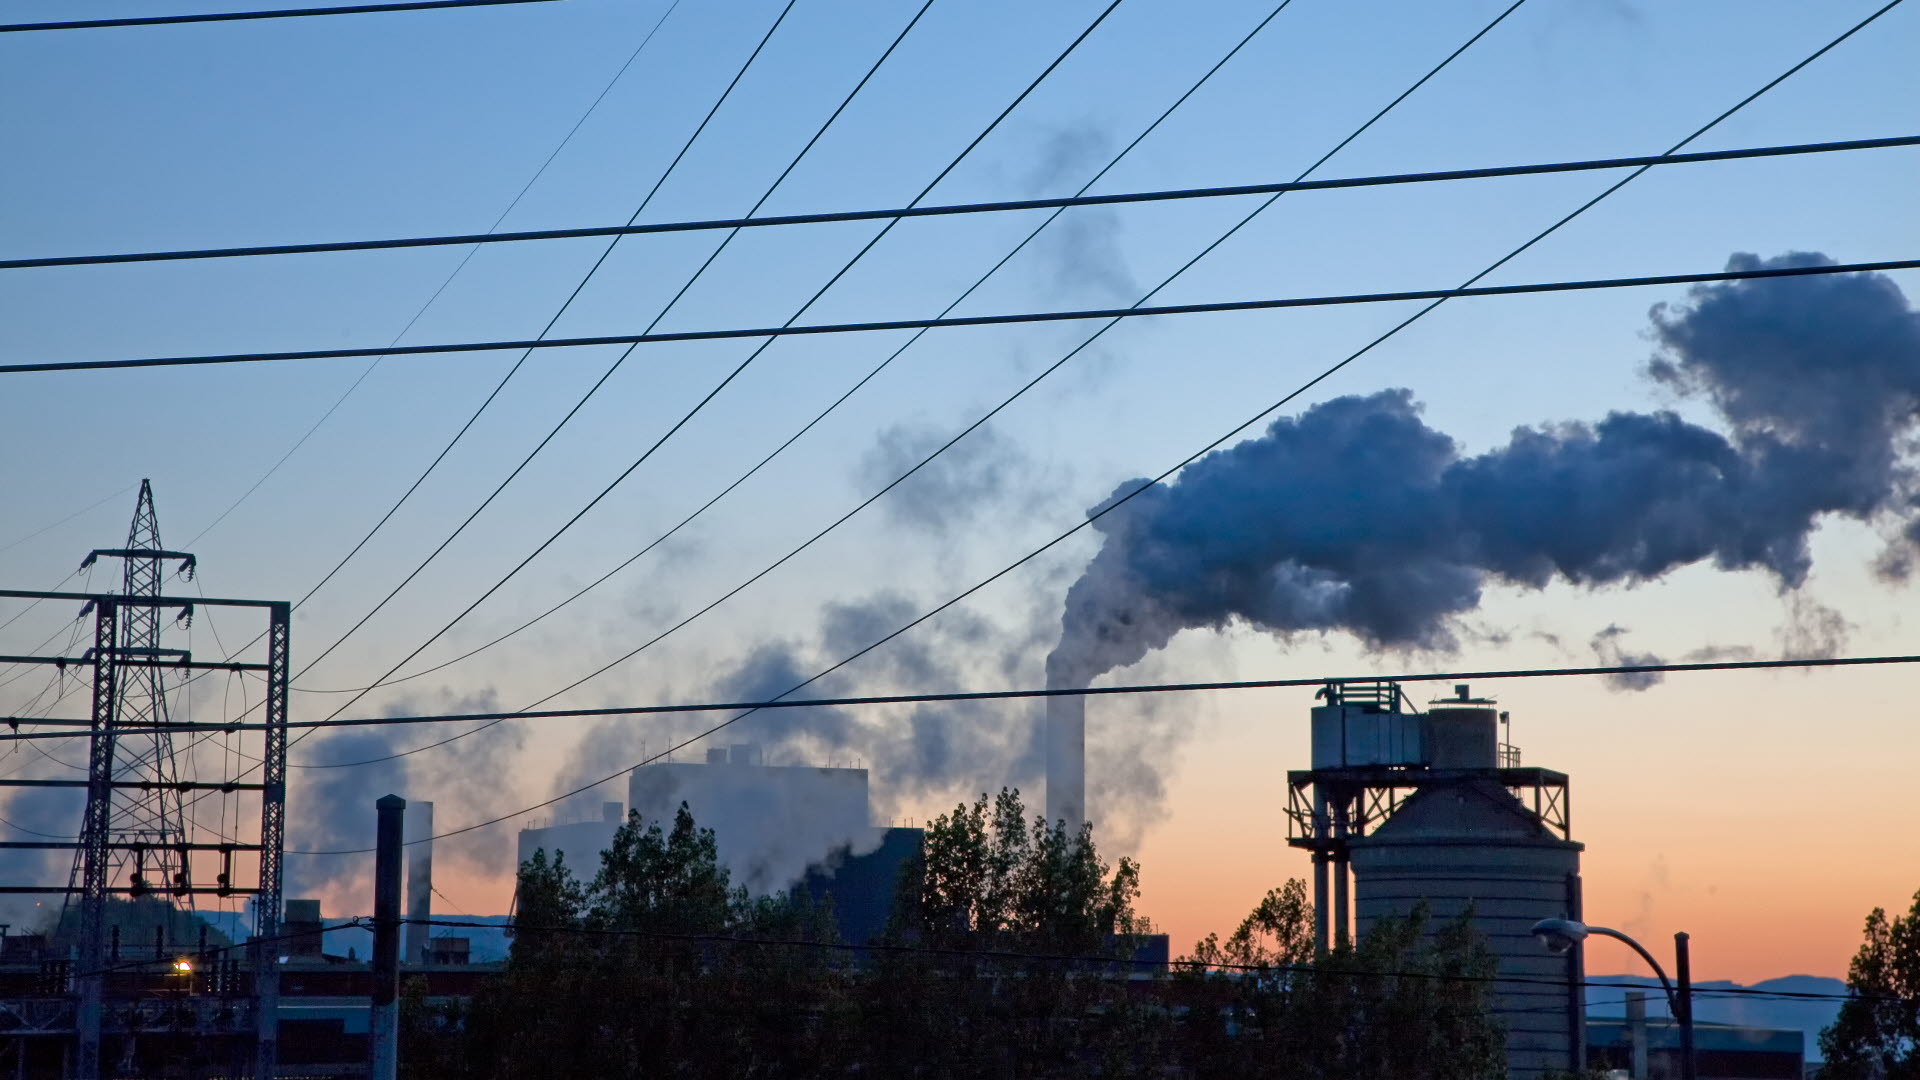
(1790, 1014)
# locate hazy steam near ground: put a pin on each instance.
(40, 814)
(331, 809)
(1356, 516)
(939, 751)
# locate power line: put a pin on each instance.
(1113, 505)
(592, 107)
(1324, 158)
(1486, 675)
(238, 16)
(1076, 315)
(622, 358)
(949, 209)
(96, 504)
(1115, 314)
(474, 418)
(738, 369)
(845, 395)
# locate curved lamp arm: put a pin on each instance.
(1673, 998)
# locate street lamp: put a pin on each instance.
(1561, 935)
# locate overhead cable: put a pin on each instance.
(776, 564)
(1079, 315)
(592, 107)
(951, 209)
(1805, 663)
(722, 384)
(1234, 432)
(620, 360)
(833, 405)
(239, 16)
(501, 385)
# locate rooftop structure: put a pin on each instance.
(1433, 810)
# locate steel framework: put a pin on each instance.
(134, 838)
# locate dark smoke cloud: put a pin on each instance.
(1356, 516)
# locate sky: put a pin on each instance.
(1756, 811)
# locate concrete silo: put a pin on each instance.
(1433, 808)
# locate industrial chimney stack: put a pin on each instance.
(1067, 761)
(419, 838)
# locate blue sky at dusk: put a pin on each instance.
(1696, 798)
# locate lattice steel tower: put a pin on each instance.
(144, 821)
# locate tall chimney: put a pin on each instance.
(419, 833)
(1067, 761)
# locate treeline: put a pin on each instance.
(1011, 953)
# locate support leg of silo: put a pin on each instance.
(1320, 902)
(1342, 906)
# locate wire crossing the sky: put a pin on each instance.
(737, 370)
(241, 16)
(846, 394)
(592, 107)
(1113, 505)
(1484, 675)
(1078, 315)
(776, 564)
(950, 209)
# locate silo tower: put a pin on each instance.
(1434, 808)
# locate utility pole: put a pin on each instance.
(385, 1045)
(1683, 974)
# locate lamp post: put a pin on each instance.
(1560, 935)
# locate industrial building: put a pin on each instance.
(1405, 809)
(580, 841)
(776, 827)
(771, 822)
(1648, 1048)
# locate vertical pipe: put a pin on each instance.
(1067, 762)
(1342, 905)
(1637, 1033)
(384, 1046)
(1320, 903)
(1321, 843)
(1683, 971)
(419, 836)
(1576, 984)
(1342, 812)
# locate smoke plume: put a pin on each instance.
(1356, 516)
(331, 809)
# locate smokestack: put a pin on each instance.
(419, 833)
(1067, 761)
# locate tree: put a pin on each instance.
(1877, 1034)
(658, 965)
(1010, 955)
(1406, 1000)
